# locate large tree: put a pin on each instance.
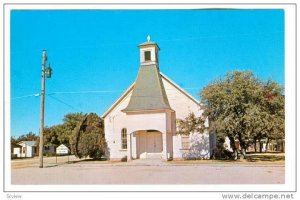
(244, 108)
(268, 121)
(62, 133)
(88, 138)
(13, 141)
(70, 122)
(28, 137)
(51, 135)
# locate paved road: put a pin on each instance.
(150, 172)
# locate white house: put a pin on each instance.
(27, 149)
(141, 124)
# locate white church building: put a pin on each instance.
(141, 124)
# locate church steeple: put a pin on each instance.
(149, 53)
(148, 93)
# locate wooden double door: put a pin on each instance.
(149, 144)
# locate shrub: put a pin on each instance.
(88, 138)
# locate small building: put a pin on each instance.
(26, 149)
(29, 149)
(141, 124)
(15, 148)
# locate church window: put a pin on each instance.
(185, 142)
(124, 138)
(147, 55)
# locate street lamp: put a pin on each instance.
(49, 72)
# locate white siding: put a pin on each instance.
(114, 122)
(23, 154)
(29, 151)
(17, 151)
(183, 106)
(180, 102)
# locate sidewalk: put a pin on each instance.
(72, 161)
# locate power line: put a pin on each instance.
(38, 94)
(26, 96)
(71, 92)
(61, 101)
(86, 92)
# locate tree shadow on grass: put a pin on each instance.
(87, 160)
(49, 166)
(262, 157)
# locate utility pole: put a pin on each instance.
(45, 72)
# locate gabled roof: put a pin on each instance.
(28, 143)
(130, 88)
(179, 88)
(148, 92)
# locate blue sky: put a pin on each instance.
(96, 50)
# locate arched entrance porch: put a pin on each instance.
(149, 135)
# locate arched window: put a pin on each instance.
(124, 138)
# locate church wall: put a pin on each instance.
(170, 116)
(183, 106)
(114, 122)
(146, 121)
(199, 148)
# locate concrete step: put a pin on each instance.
(154, 156)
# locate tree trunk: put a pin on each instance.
(260, 146)
(267, 144)
(235, 155)
(242, 150)
(233, 147)
(283, 146)
(243, 154)
(242, 147)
